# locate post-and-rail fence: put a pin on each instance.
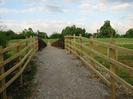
(104, 59)
(101, 57)
(13, 67)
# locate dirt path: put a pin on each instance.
(62, 76)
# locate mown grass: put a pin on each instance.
(118, 40)
(123, 57)
(50, 40)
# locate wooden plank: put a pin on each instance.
(14, 56)
(117, 63)
(20, 62)
(2, 83)
(116, 77)
(17, 75)
(16, 66)
(94, 70)
(129, 51)
(8, 48)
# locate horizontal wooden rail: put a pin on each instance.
(86, 52)
(25, 50)
(120, 80)
(115, 62)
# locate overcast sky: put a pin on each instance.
(54, 15)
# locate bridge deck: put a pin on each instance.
(63, 76)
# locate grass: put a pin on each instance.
(50, 40)
(118, 40)
(123, 57)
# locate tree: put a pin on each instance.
(70, 30)
(42, 34)
(3, 39)
(28, 32)
(5, 36)
(106, 30)
(87, 35)
(129, 33)
(55, 35)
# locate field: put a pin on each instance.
(122, 56)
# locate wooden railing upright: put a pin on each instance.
(12, 67)
(104, 63)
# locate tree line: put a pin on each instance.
(6, 35)
(105, 31)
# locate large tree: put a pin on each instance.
(106, 30)
(129, 33)
(70, 30)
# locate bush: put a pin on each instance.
(55, 35)
(3, 39)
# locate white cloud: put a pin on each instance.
(41, 9)
(130, 17)
(89, 6)
(48, 26)
(6, 10)
(121, 7)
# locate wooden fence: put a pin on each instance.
(12, 67)
(105, 60)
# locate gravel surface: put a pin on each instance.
(63, 76)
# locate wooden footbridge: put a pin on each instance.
(104, 59)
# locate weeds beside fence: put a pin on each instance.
(12, 67)
(106, 60)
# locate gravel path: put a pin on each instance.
(63, 76)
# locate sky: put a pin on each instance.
(54, 15)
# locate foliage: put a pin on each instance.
(106, 30)
(5, 36)
(42, 35)
(87, 35)
(129, 33)
(55, 36)
(3, 39)
(28, 32)
(70, 30)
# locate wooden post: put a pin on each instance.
(74, 45)
(26, 44)
(81, 47)
(2, 70)
(91, 42)
(91, 46)
(70, 43)
(37, 44)
(112, 53)
(19, 58)
(34, 41)
(65, 39)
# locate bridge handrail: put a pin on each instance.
(76, 46)
(24, 50)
